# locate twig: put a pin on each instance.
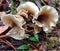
(8, 43)
(33, 46)
(11, 45)
(3, 36)
(38, 44)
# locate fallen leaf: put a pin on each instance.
(3, 28)
(49, 45)
(46, 0)
(24, 46)
(32, 39)
(35, 38)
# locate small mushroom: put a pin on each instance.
(29, 8)
(47, 17)
(12, 20)
(16, 22)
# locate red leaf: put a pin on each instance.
(46, 0)
(3, 28)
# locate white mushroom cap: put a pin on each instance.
(16, 22)
(47, 17)
(8, 19)
(29, 6)
(12, 20)
(17, 33)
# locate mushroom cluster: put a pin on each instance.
(29, 19)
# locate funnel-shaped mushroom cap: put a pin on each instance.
(30, 7)
(47, 17)
(12, 20)
(17, 33)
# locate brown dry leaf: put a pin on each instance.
(35, 50)
(3, 28)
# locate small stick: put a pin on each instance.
(11, 45)
(38, 44)
(33, 46)
(3, 36)
(8, 43)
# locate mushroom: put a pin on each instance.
(29, 8)
(28, 11)
(47, 18)
(13, 20)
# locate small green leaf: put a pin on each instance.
(49, 45)
(36, 36)
(32, 39)
(13, 7)
(56, 41)
(24, 46)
